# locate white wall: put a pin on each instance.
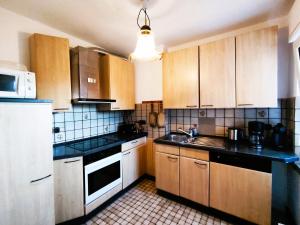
(148, 78)
(15, 30)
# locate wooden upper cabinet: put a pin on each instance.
(181, 79)
(256, 68)
(117, 82)
(50, 60)
(85, 73)
(217, 74)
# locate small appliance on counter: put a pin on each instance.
(127, 128)
(256, 134)
(235, 134)
(279, 136)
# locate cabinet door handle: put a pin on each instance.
(191, 106)
(245, 104)
(207, 105)
(200, 164)
(72, 161)
(127, 153)
(134, 142)
(174, 158)
(33, 181)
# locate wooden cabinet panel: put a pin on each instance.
(169, 149)
(117, 82)
(181, 79)
(150, 157)
(68, 189)
(85, 73)
(167, 172)
(217, 74)
(241, 192)
(256, 68)
(194, 180)
(50, 60)
(133, 164)
(26, 157)
(194, 153)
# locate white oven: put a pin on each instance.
(17, 84)
(102, 174)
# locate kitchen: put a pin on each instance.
(201, 128)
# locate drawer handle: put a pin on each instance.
(174, 158)
(207, 105)
(127, 153)
(200, 164)
(72, 161)
(33, 181)
(134, 142)
(115, 107)
(191, 106)
(245, 104)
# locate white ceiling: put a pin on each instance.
(112, 23)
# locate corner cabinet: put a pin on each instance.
(256, 68)
(217, 74)
(117, 81)
(68, 189)
(50, 60)
(181, 79)
(241, 192)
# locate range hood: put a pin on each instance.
(92, 101)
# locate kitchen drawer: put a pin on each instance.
(169, 149)
(194, 153)
(134, 143)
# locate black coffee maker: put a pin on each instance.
(256, 134)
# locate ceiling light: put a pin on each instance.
(145, 47)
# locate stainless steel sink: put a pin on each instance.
(176, 138)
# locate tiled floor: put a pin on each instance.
(141, 205)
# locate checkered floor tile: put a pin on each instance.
(141, 205)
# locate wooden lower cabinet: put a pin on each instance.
(241, 192)
(167, 172)
(150, 158)
(194, 180)
(133, 165)
(68, 189)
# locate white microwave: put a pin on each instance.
(17, 84)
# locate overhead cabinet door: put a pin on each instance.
(256, 68)
(50, 60)
(180, 79)
(117, 82)
(217, 74)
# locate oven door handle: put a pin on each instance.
(127, 153)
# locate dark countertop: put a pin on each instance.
(241, 149)
(25, 100)
(65, 150)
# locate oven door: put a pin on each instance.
(11, 85)
(101, 176)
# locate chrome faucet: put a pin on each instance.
(189, 134)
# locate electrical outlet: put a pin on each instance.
(59, 137)
(105, 129)
(86, 116)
